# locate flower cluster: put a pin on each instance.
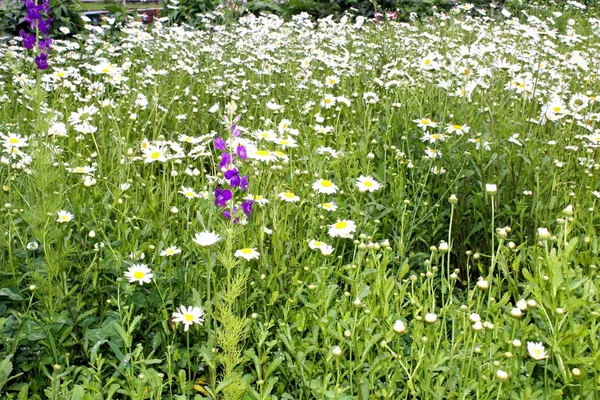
(41, 28)
(230, 152)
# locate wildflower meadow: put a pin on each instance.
(296, 208)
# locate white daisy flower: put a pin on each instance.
(189, 316)
(367, 184)
(206, 238)
(64, 216)
(247, 253)
(331, 206)
(342, 228)
(139, 273)
(289, 197)
(324, 186)
(170, 251)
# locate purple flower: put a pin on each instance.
(227, 214)
(222, 196)
(44, 25)
(28, 39)
(233, 177)
(225, 160)
(235, 132)
(247, 207)
(220, 144)
(45, 44)
(33, 14)
(42, 61)
(241, 152)
(244, 182)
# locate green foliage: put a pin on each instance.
(437, 292)
(190, 12)
(64, 13)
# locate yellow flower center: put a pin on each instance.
(332, 81)
(556, 109)
(13, 140)
(326, 183)
(327, 101)
(190, 194)
(457, 127)
(427, 61)
(138, 274)
(341, 225)
(425, 121)
(289, 195)
(64, 218)
(188, 317)
(247, 250)
(155, 155)
(368, 184)
(318, 244)
(79, 170)
(284, 142)
(326, 205)
(262, 152)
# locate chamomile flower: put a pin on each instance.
(327, 250)
(328, 101)
(457, 129)
(83, 114)
(206, 238)
(367, 184)
(188, 316)
(331, 81)
(82, 170)
(425, 123)
(331, 206)
(536, 350)
(155, 153)
(315, 244)
(247, 253)
(170, 251)
(290, 197)
(139, 273)
(14, 140)
(342, 228)
(188, 192)
(64, 216)
(324, 186)
(261, 155)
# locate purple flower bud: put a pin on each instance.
(220, 144)
(241, 152)
(235, 132)
(222, 196)
(28, 39)
(42, 61)
(237, 118)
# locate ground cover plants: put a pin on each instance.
(303, 209)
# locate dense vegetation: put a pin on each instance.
(353, 208)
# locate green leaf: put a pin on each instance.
(11, 295)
